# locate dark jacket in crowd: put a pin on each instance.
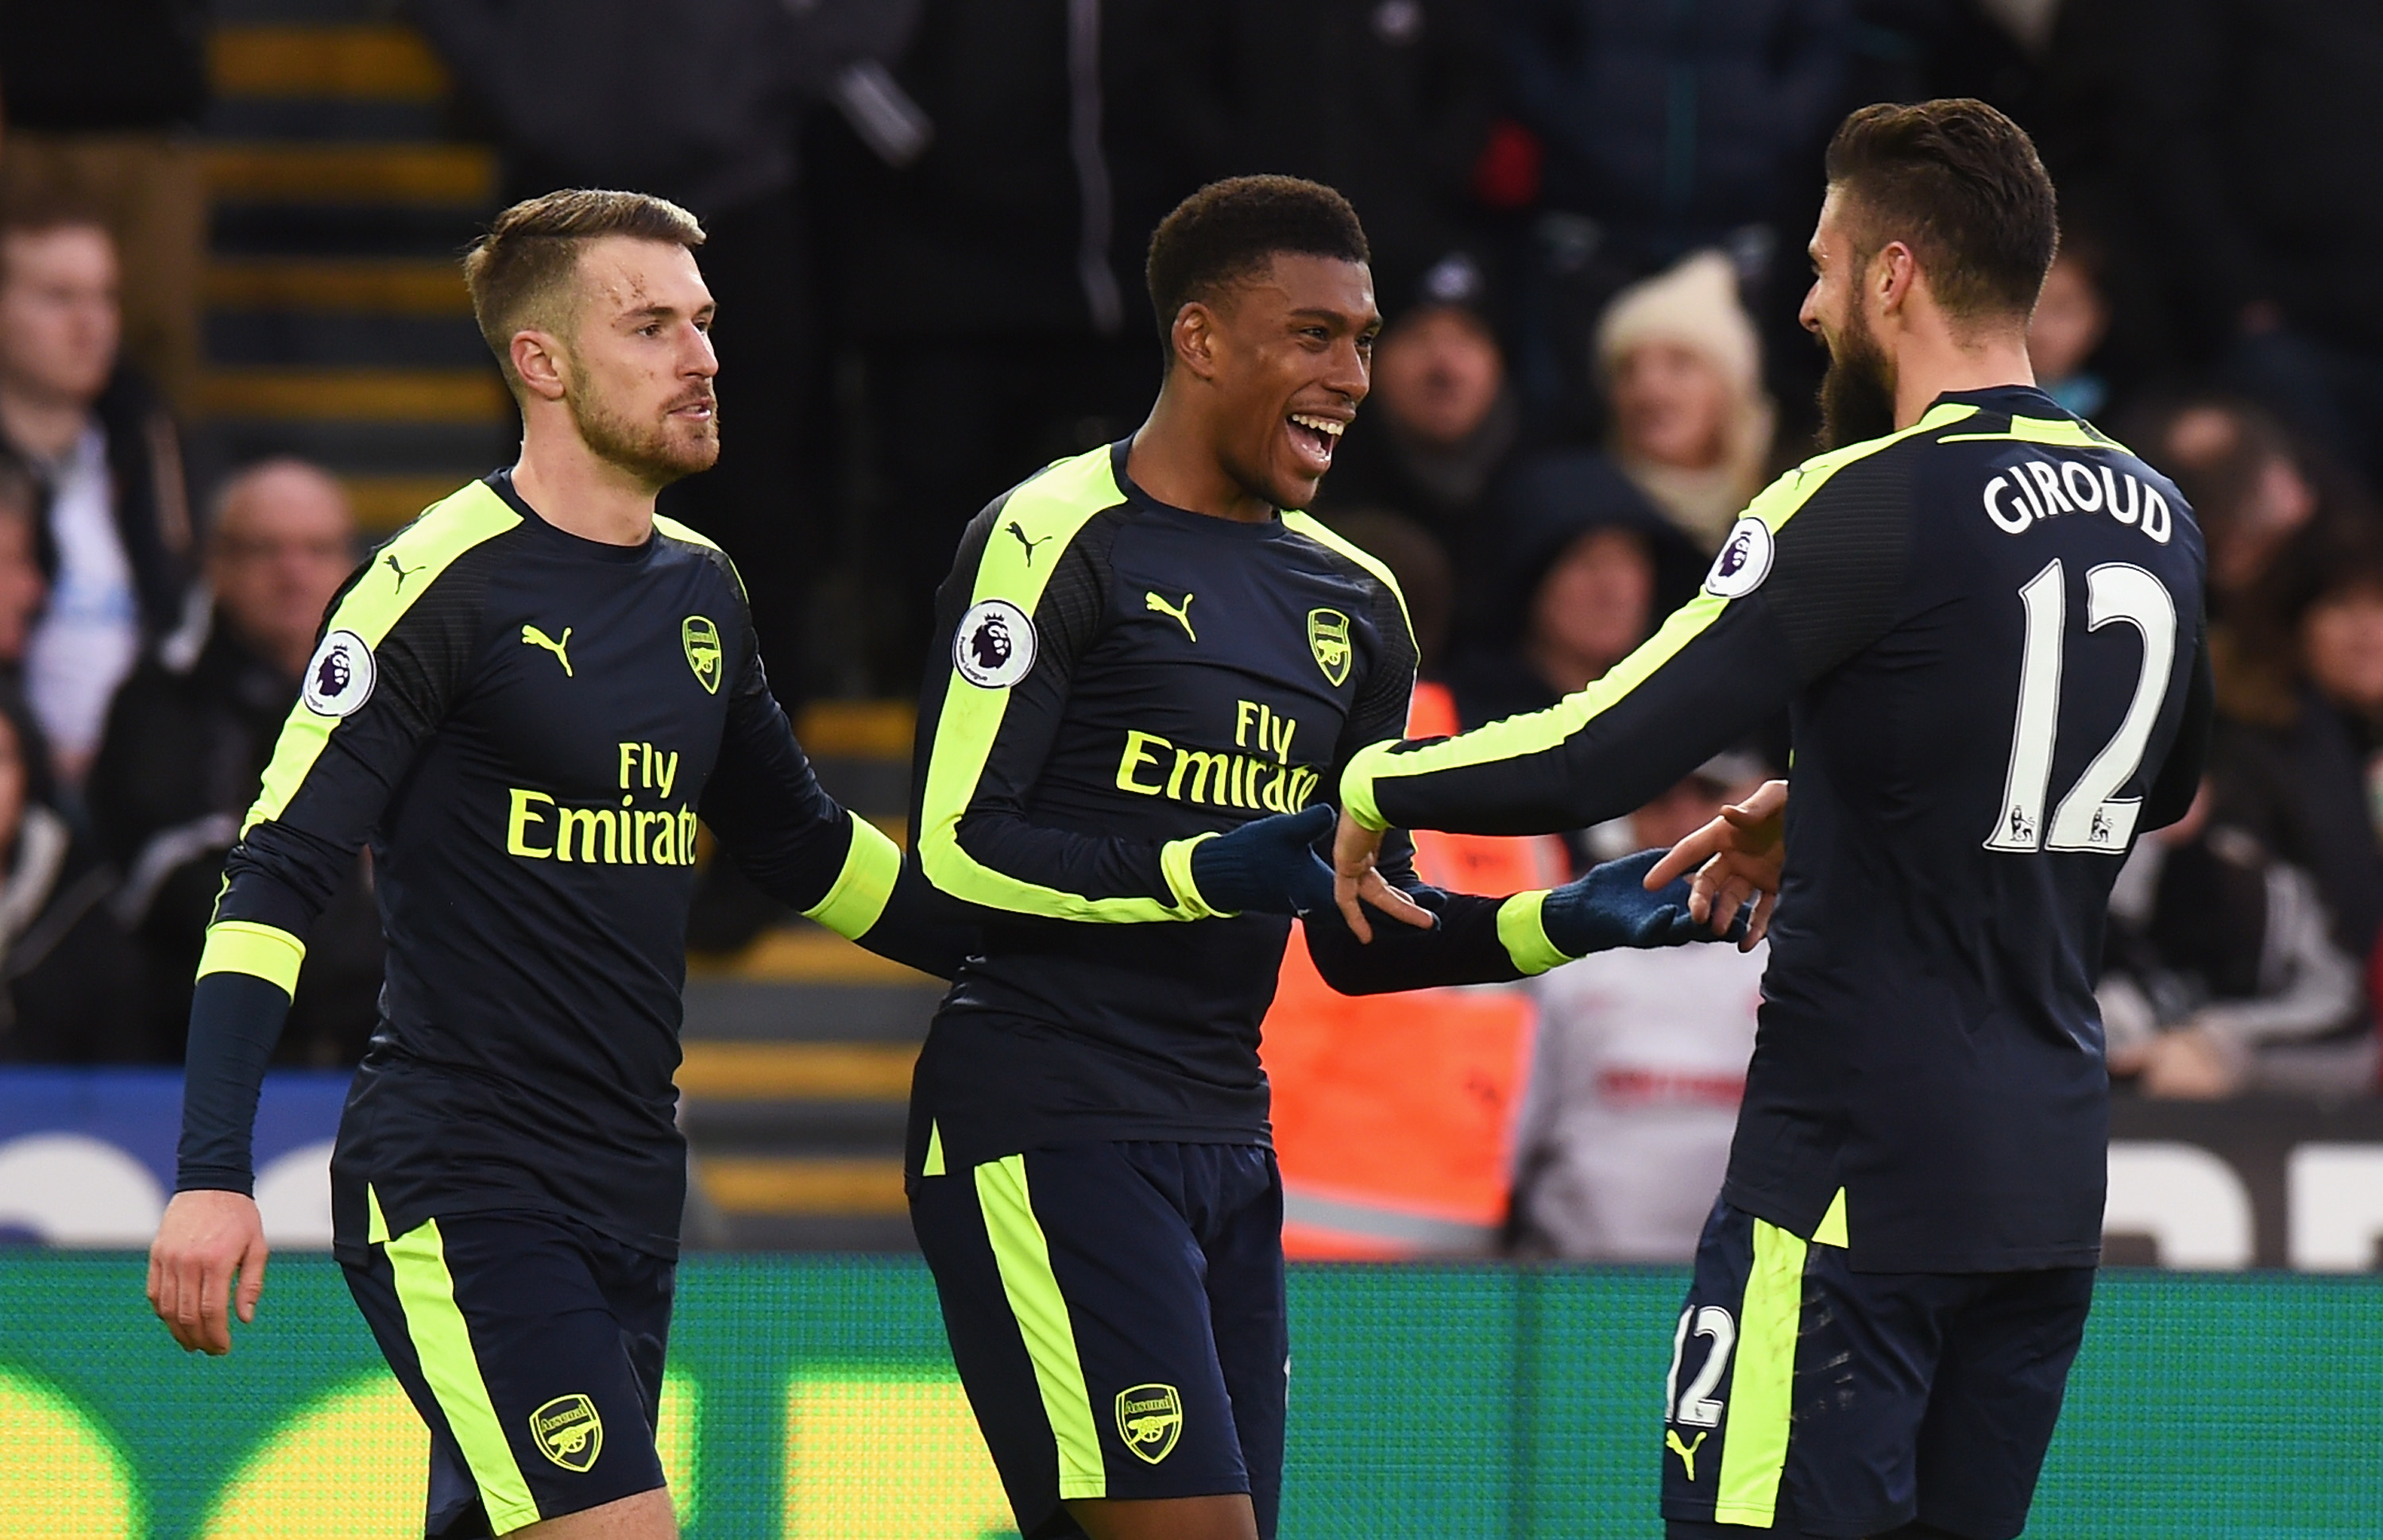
(1029, 213)
(2257, 134)
(698, 104)
(184, 753)
(1688, 118)
(2301, 789)
(102, 66)
(1389, 101)
(153, 499)
(72, 981)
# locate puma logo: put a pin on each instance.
(1030, 545)
(402, 573)
(1179, 612)
(533, 637)
(1688, 1452)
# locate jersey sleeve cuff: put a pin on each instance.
(263, 951)
(1357, 786)
(858, 897)
(1174, 862)
(1524, 936)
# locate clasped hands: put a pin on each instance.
(1736, 860)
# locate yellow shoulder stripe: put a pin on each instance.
(2055, 431)
(1325, 535)
(1518, 738)
(264, 952)
(1031, 530)
(401, 573)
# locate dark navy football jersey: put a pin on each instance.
(1122, 679)
(1989, 630)
(528, 727)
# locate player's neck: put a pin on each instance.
(1172, 460)
(581, 493)
(1931, 363)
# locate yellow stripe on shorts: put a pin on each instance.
(1754, 1453)
(426, 1292)
(1024, 1258)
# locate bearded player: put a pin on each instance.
(525, 700)
(1986, 618)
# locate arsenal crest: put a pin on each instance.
(1150, 1419)
(1328, 637)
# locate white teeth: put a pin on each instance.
(1323, 425)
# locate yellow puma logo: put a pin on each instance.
(1181, 612)
(1688, 1452)
(533, 637)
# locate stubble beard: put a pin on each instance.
(1858, 393)
(659, 451)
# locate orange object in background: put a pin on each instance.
(1394, 1114)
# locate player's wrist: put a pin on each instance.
(1357, 787)
(1178, 862)
(1522, 929)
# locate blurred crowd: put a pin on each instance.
(927, 219)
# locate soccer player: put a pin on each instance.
(1985, 617)
(525, 699)
(1157, 669)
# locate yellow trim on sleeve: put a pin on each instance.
(398, 574)
(263, 951)
(858, 895)
(1175, 861)
(1537, 732)
(1522, 931)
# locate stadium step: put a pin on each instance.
(337, 325)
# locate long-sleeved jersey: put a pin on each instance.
(528, 727)
(1125, 678)
(1988, 627)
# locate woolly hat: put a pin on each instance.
(1695, 304)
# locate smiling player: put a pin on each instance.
(1158, 667)
(525, 699)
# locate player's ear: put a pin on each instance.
(1894, 272)
(539, 363)
(1195, 336)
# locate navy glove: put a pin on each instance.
(1267, 867)
(1610, 906)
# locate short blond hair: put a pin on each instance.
(519, 272)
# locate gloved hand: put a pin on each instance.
(1610, 906)
(1268, 866)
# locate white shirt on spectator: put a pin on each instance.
(88, 636)
(1634, 1085)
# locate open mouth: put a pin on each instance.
(1314, 438)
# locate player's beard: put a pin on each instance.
(1858, 393)
(661, 450)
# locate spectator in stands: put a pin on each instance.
(1665, 131)
(69, 982)
(107, 452)
(100, 97)
(188, 741)
(1426, 578)
(1638, 1071)
(1439, 427)
(2219, 972)
(2252, 488)
(2256, 140)
(2071, 317)
(2297, 756)
(702, 104)
(1683, 370)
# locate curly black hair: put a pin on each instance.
(1228, 230)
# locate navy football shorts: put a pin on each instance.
(533, 1347)
(1117, 1313)
(1808, 1399)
